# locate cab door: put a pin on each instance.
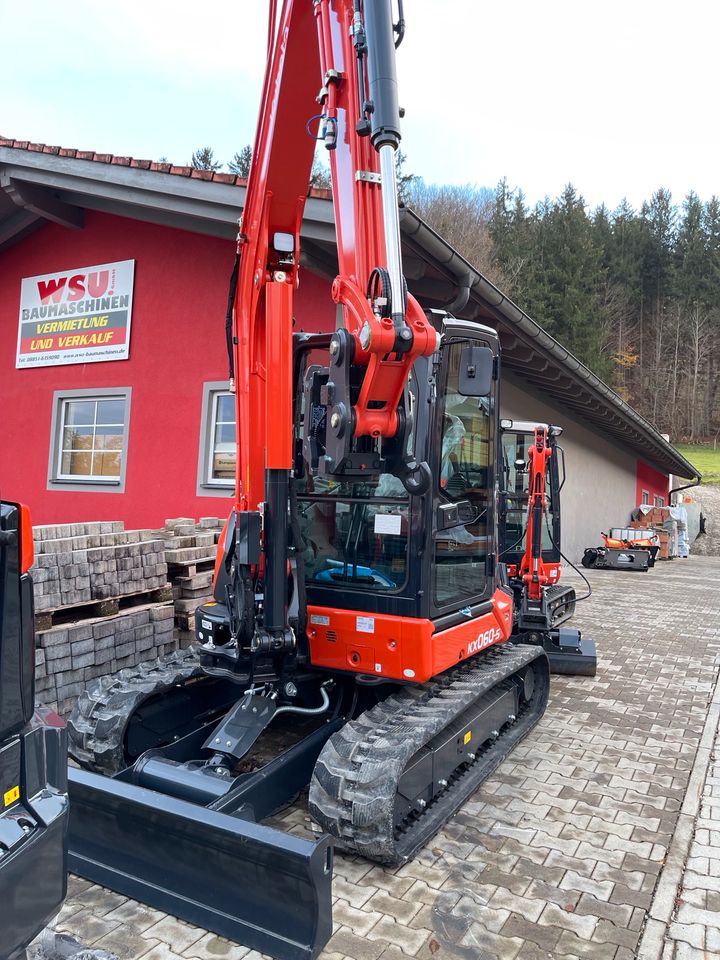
(464, 538)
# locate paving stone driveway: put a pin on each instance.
(558, 855)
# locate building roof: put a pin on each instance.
(40, 183)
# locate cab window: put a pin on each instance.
(464, 479)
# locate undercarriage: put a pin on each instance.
(386, 767)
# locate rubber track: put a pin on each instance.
(97, 725)
(354, 784)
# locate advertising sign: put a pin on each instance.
(76, 316)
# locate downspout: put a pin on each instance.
(687, 486)
(460, 301)
(445, 255)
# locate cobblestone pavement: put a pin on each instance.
(559, 854)
(694, 930)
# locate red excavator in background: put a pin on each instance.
(357, 639)
(530, 531)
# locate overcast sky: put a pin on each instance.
(617, 97)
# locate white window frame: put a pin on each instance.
(659, 501)
(207, 485)
(210, 480)
(57, 480)
(645, 500)
(93, 477)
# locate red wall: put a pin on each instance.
(177, 343)
(656, 483)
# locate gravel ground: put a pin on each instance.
(708, 496)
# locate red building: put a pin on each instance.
(170, 387)
(151, 435)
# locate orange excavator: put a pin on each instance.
(530, 531)
(357, 640)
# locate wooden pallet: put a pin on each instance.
(94, 609)
(190, 567)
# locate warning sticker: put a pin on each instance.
(365, 624)
(320, 620)
(11, 796)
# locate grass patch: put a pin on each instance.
(704, 457)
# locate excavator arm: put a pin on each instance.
(330, 77)
(533, 570)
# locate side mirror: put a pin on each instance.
(476, 371)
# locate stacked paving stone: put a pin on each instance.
(188, 542)
(83, 574)
(101, 565)
(70, 655)
(190, 553)
(80, 562)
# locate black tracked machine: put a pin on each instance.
(33, 748)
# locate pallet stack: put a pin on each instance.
(80, 563)
(106, 597)
(190, 549)
(101, 604)
(69, 655)
(660, 521)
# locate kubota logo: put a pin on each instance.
(485, 639)
(75, 287)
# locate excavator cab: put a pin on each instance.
(33, 751)
(373, 541)
(517, 436)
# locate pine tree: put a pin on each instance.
(566, 275)
(320, 177)
(240, 163)
(404, 180)
(511, 233)
(204, 159)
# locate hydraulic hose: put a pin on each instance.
(229, 318)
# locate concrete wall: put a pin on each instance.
(601, 476)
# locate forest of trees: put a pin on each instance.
(634, 294)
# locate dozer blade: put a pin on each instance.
(570, 653)
(260, 887)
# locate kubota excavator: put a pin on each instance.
(530, 531)
(357, 639)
